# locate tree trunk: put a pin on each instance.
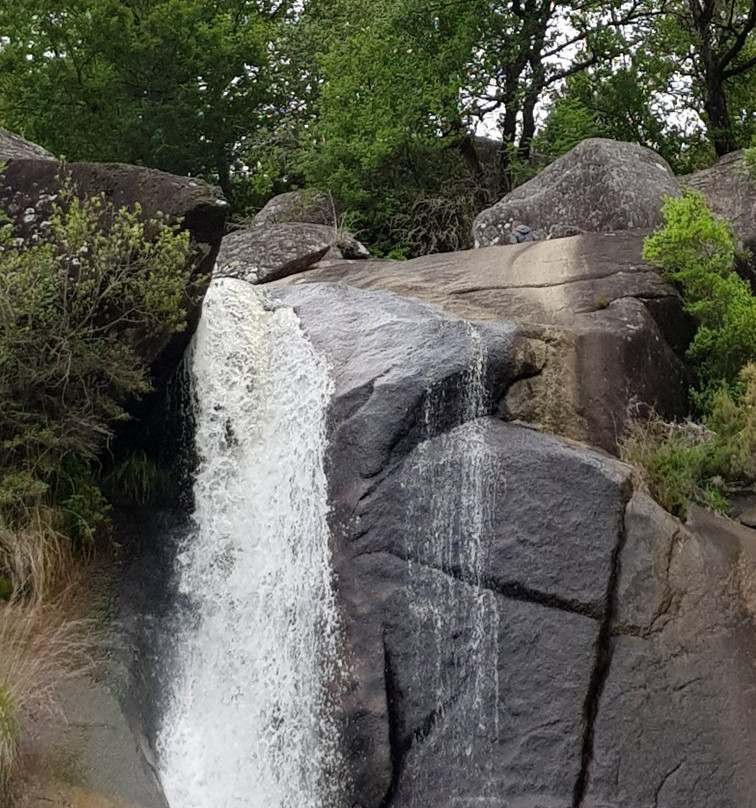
(508, 135)
(718, 120)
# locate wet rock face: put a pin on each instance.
(604, 324)
(600, 186)
(522, 627)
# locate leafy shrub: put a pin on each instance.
(684, 463)
(696, 251)
(81, 302)
(687, 462)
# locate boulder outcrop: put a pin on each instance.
(13, 147)
(523, 626)
(600, 186)
(310, 207)
(267, 252)
(601, 323)
(729, 192)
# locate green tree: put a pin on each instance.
(179, 85)
(713, 46)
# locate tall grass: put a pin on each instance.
(43, 644)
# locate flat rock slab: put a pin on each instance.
(89, 756)
(605, 322)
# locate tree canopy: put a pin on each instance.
(361, 99)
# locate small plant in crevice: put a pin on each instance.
(137, 480)
(688, 462)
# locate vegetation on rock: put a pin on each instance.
(81, 301)
(691, 462)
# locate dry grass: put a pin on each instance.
(35, 557)
(43, 644)
(674, 461)
(42, 641)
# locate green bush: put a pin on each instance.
(696, 251)
(684, 463)
(81, 302)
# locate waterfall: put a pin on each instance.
(249, 721)
(462, 659)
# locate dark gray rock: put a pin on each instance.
(520, 627)
(263, 253)
(599, 186)
(675, 723)
(450, 575)
(392, 356)
(311, 207)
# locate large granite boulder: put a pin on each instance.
(602, 323)
(522, 626)
(13, 147)
(310, 207)
(600, 186)
(729, 191)
(260, 253)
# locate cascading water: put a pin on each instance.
(249, 717)
(460, 672)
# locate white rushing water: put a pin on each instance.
(249, 717)
(458, 624)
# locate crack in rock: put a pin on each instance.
(602, 665)
(400, 748)
(511, 590)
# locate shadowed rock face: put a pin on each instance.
(522, 627)
(602, 323)
(600, 186)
